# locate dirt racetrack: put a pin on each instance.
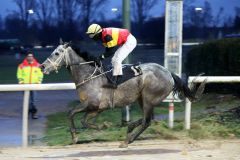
(140, 150)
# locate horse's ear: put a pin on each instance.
(68, 44)
(61, 41)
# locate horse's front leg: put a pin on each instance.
(71, 114)
(90, 116)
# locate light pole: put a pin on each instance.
(115, 12)
(199, 21)
(114, 9)
(30, 11)
(198, 9)
(126, 24)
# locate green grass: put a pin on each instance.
(204, 126)
(58, 127)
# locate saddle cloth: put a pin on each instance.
(129, 71)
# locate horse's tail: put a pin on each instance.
(182, 89)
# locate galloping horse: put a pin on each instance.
(149, 89)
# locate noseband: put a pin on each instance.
(64, 57)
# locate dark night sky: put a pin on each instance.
(158, 10)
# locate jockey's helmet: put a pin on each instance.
(94, 29)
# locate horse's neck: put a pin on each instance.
(79, 70)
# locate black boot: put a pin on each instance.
(34, 116)
(33, 112)
(112, 83)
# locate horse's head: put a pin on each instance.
(58, 58)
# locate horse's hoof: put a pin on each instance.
(123, 145)
(107, 125)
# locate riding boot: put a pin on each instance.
(112, 83)
(34, 116)
(34, 112)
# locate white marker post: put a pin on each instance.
(173, 42)
(171, 115)
(187, 114)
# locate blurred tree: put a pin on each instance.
(141, 11)
(11, 21)
(151, 34)
(219, 18)
(207, 16)
(237, 19)
(89, 9)
(188, 7)
(23, 7)
(66, 11)
(45, 22)
(228, 22)
(44, 12)
(198, 18)
(1, 23)
(237, 10)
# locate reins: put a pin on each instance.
(64, 57)
(92, 77)
(81, 63)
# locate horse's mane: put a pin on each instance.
(83, 54)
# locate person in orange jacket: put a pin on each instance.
(111, 38)
(29, 72)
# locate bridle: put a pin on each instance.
(64, 57)
(61, 57)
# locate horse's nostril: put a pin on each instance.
(42, 67)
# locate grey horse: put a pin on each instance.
(149, 89)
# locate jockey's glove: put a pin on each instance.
(98, 61)
(102, 57)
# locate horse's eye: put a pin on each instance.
(57, 54)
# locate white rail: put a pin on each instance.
(215, 79)
(52, 86)
(210, 79)
(27, 88)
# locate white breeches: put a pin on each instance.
(122, 53)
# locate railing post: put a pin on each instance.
(126, 115)
(171, 115)
(188, 104)
(25, 119)
(187, 114)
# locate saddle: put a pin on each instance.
(129, 71)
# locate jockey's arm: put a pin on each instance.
(108, 52)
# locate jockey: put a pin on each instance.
(110, 38)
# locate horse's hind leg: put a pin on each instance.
(145, 123)
(130, 128)
(71, 115)
(133, 125)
